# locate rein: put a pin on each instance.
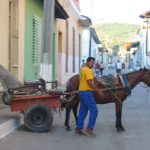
(116, 88)
(115, 95)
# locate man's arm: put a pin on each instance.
(92, 85)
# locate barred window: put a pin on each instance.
(36, 40)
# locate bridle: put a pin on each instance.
(147, 75)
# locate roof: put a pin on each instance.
(94, 35)
(60, 11)
(134, 44)
(85, 21)
(145, 15)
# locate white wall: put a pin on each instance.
(85, 39)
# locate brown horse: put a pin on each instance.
(117, 95)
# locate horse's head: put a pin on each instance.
(146, 77)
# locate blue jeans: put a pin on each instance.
(87, 102)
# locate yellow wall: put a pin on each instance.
(4, 33)
(4, 38)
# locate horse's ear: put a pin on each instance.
(145, 68)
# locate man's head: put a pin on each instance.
(90, 62)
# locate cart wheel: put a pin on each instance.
(38, 118)
(6, 98)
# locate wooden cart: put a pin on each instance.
(37, 111)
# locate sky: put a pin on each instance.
(114, 10)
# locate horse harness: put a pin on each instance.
(110, 83)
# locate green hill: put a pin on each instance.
(112, 34)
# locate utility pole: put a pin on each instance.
(48, 31)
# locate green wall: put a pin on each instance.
(33, 7)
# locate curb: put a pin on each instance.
(9, 121)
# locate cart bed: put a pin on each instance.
(22, 103)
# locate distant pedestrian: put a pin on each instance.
(101, 68)
(118, 67)
(123, 67)
(83, 63)
(97, 68)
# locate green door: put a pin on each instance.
(33, 38)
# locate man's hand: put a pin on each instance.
(100, 92)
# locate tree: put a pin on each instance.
(115, 50)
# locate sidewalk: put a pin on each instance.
(9, 121)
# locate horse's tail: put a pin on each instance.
(72, 83)
(65, 99)
(71, 90)
(68, 86)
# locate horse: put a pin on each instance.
(115, 95)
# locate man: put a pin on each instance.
(101, 68)
(87, 101)
(97, 68)
(118, 67)
(83, 63)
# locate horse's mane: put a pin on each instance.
(134, 71)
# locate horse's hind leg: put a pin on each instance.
(75, 109)
(68, 110)
(119, 125)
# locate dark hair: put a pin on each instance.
(90, 58)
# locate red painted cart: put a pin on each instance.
(32, 99)
(37, 112)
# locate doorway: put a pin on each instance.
(59, 63)
(13, 38)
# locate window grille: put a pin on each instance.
(36, 40)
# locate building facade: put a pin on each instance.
(44, 38)
(12, 43)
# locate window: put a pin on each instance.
(36, 40)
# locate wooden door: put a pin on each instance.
(13, 37)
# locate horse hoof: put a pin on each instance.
(68, 129)
(121, 129)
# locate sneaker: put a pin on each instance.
(79, 132)
(90, 132)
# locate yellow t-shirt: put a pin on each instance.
(85, 74)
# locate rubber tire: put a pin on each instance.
(38, 118)
(6, 98)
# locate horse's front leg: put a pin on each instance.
(119, 125)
